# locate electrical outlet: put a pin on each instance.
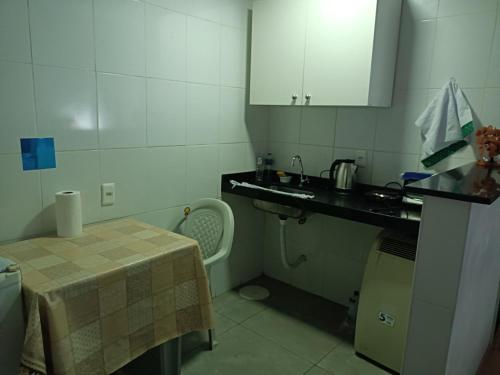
(108, 194)
(361, 158)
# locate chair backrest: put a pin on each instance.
(210, 222)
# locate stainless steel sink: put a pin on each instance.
(288, 189)
(279, 209)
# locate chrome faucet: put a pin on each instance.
(303, 180)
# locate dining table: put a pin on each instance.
(95, 302)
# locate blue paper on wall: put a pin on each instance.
(38, 153)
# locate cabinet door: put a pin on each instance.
(338, 52)
(278, 39)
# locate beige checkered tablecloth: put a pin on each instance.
(96, 302)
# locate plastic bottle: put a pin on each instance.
(259, 170)
(269, 162)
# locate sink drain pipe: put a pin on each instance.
(284, 257)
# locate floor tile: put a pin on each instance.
(198, 339)
(240, 351)
(232, 306)
(297, 335)
(317, 371)
(318, 311)
(343, 361)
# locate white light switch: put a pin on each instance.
(361, 158)
(108, 194)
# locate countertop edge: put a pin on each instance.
(459, 184)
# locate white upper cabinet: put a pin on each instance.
(278, 39)
(327, 52)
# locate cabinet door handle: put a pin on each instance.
(308, 96)
(294, 96)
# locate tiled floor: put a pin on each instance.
(292, 332)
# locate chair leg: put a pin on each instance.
(211, 339)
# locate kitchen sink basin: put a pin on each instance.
(279, 209)
(288, 189)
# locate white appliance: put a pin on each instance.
(385, 298)
(11, 318)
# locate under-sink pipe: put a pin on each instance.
(284, 257)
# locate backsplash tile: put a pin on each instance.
(396, 131)
(364, 173)
(318, 126)
(285, 124)
(355, 128)
(388, 166)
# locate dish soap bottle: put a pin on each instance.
(259, 170)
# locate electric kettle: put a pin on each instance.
(342, 174)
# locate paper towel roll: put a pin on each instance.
(68, 213)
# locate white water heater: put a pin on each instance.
(11, 318)
(384, 302)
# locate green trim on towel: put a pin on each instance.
(445, 152)
(467, 129)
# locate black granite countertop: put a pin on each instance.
(469, 183)
(353, 206)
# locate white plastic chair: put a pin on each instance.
(210, 222)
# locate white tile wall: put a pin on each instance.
(336, 250)
(119, 35)
(150, 95)
(203, 113)
(61, 33)
(165, 43)
(14, 31)
(166, 112)
(75, 171)
(66, 107)
(203, 177)
(451, 37)
(139, 93)
(203, 51)
(17, 107)
(439, 39)
(20, 199)
(122, 110)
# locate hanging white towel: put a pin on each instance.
(445, 124)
